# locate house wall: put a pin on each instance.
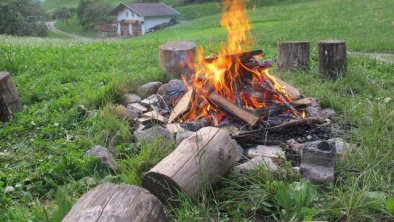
(127, 14)
(153, 21)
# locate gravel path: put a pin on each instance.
(383, 57)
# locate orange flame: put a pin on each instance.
(223, 73)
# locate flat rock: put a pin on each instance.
(341, 146)
(266, 151)
(328, 113)
(137, 107)
(253, 163)
(149, 135)
(175, 128)
(181, 135)
(317, 162)
(155, 115)
(149, 88)
(172, 91)
(103, 157)
(125, 113)
(150, 100)
(131, 98)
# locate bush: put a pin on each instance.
(13, 18)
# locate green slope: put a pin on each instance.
(44, 147)
(51, 5)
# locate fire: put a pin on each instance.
(224, 74)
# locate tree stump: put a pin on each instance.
(9, 99)
(198, 161)
(177, 59)
(293, 56)
(113, 202)
(332, 58)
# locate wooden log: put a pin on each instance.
(9, 99)
(182, 106)
(290, 90)
(293, 56)
(245, 56)
(198, 161)
(113, 202)
(177, 59)
(332, 58)
(233, 109)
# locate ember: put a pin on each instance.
(236, 81)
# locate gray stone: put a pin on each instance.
(149, 135)
(9, 189)
(253, 163)
(181, 135)
(317, 162)
(125, 113)
(131, 98)
(240, 151)
(175, 128)
(103, 157)
(341, 146)
(328, 113)
(266, 151)
(149, 88)
(137, 107)
(172, 91)
(150, 100)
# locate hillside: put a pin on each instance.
(43, 162)
(51, 5)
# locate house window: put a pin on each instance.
(132, 14)
(127, 14)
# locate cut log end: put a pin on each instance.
(162, 186)
(115, 202)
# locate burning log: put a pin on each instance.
(290, 90)
(245, 56)
(293, 56)
(112, 202)
(177, 58)
(332, 58)
(202, 158)
(9, 99)
(182, 106)
(233, 109)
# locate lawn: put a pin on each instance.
(42, 154)
(73, 26)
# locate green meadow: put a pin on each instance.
(43, 149)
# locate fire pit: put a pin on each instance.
(258, 117)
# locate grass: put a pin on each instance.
(73, 26)
(42, 154)
(51, 5)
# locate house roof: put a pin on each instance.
(147, 9)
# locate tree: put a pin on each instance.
(13, 18)
(92, 12)
(62, 14)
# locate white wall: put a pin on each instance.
(153, 21)
(131, 16)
